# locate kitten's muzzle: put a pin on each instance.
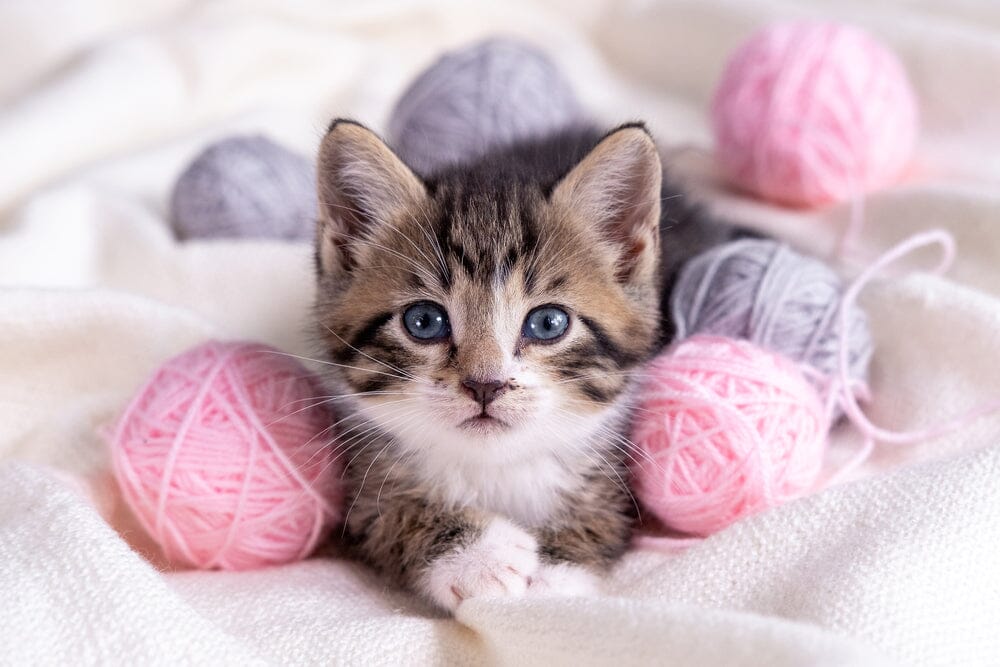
(485, 392)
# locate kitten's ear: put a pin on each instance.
(616, 188)
(362, 186)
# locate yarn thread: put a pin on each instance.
(490, 93)
(728, 429)
(709, 468)
(763, 291)
(222, 464)
(245, 187)
(808, 113)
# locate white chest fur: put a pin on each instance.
(529, 493)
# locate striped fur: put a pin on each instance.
(574, 221)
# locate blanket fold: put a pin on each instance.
(103, 107)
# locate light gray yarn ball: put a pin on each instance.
(489, 93)
(245, 186)
(765, 292)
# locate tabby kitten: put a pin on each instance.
(487, 323)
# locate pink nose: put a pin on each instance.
(484, 392)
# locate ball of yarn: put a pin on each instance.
(808, 113)
(489, 93)
(726, 429)
(224, 458)
(245, 187)
(765, 292)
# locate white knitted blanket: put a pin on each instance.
(101, 105)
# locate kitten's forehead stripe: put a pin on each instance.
(481, 231)
(443, 241)
(462, 258)
(503, 206)
(507, 265)
(529, 244)
(557, 283)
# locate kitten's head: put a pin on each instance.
(497, 320)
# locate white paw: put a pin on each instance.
(563, 579)
(500, 563)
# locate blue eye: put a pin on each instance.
(426, 321)
(546, 323)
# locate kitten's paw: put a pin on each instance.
(563, 579)
(500, 563)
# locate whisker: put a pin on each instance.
(407, 418)
(329, 398)
(620, 481)
(332, 363)
(339, 436)
(377, 361)
(323, 400)
(378, 498)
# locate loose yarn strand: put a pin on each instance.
(849, 400)
(855, 223)
(718, 459)
(765, 292)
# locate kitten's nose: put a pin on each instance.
(484, 392)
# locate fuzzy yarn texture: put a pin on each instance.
(765, 292)
(245, 187)
(224, 458)
(808, 113)
(490, 93)
(726, 429)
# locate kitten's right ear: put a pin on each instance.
(362, 186)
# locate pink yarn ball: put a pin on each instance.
(727, 429)
(224, 457)
(809, 113)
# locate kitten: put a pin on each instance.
(488, 323)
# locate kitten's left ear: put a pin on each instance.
(616, 188)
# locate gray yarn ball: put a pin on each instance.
(764, 292)
(245, 187)
(490, 93)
